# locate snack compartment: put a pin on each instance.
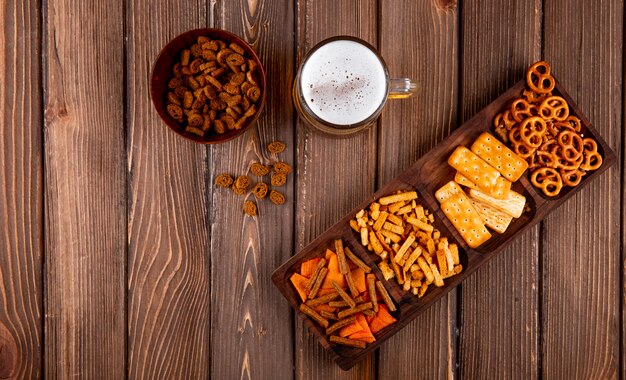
(586, 130)
(317, 249)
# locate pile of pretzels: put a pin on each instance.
(539, 128)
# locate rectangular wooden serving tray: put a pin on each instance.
(425, 176)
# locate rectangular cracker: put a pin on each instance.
(496, 154)
(513, 204)
(493, 218)
(474, 168)
(499, 191)
(447, 191)
(466, 220)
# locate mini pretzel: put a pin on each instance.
(554, 108)
(571, 145)
(523, 151)
(553, 129)
(574, 122)
(571, 177)
(519, 147)
(548, 180)
(545, 159)
(592, 159)
(533, 97)
(504, 120)
(539, 79)
(547, 136)
(502, 133)
(532, 162)
(531, 131)
(514, 136)
(562, 161)
(521, 109)
(558, 126)
(547, 144)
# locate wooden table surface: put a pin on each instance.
(119, 258)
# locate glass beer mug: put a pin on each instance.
(343, 84)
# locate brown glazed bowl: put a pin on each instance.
(162, 73)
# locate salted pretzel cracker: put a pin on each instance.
(531, 131)
(504, 120)
(562, 162)
(571, 145)
(533, 97)
(548, 180)
(545, 159)
(521, 109)
(571, 177)
(554, 108)
(538, 78)
(592, 158)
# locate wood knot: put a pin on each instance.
(8, 353)
(52, 115)
(446, 5)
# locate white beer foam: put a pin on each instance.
(343, 82)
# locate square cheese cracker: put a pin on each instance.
(499, 191)
(496, 154)
(466, 220)
(474, 168)
(447, 191)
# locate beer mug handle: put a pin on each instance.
(400, 88)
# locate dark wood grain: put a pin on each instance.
(333, 174)
(580, 260)
(168, 226)
(499, 321)
(251, 334)
(21, 192)
(419, 40)
(151, 272)
(85, 189)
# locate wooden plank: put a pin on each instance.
(499, 331)
(251, 334)
(419, 40)
(169, 230)
(85, 189)
(580, 261)
(21, 192)
(333, 174)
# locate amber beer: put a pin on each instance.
(343, 85)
